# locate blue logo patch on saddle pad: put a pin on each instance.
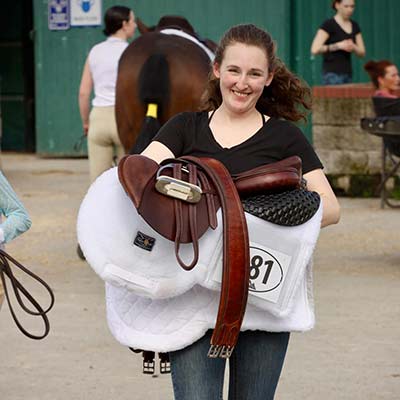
(144, 241)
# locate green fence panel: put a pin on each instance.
(379, 25)
(13, 123)
(60, 55)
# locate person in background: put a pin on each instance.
(385, 77)
(386, 102)
(100, 72)
(251, 98)
(17, 219)
(336, 39)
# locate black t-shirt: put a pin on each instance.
(189, 134)
(338, 61)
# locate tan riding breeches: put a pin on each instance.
(103, 141)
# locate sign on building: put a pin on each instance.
(58, 12)
(85, 12)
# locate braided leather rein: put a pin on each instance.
(18, 289)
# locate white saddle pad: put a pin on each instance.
(172, 324)
(149, 287)
(185, 35)
(107, 226)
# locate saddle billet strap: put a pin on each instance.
(208, 193)
(236, 259)
(177, 168)
(5, 270)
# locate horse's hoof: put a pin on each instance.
(80, 253)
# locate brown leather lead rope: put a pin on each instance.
(236, 259)
(5, 270)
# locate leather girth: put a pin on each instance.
(236, 259)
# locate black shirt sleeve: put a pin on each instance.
(327, 26)
(172, 133)
(356, 28)
(297, 144)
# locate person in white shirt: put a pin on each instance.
(100, 73)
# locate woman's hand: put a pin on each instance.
(345, 45)
(85, 127)
(349, 46)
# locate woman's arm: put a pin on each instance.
(157, 152)
(317, 182)
(318, 45)
(18, 220)
(85, 91)
(359, 47)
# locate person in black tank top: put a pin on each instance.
(336, 39)
(244, 123)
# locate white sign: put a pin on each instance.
(58, 15)
(85, 12)
(268, 270)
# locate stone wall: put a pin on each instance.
(349, 154)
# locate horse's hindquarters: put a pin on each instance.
(188, 67)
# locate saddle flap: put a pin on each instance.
(134, 173)
(138, 176)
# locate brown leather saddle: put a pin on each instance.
(180, 198)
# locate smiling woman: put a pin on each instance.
(242, 83)
(250, 99)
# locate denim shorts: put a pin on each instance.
(332, 78)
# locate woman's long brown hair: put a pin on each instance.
(286, 97)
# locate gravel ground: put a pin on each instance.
(353, 352)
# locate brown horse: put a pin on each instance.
(167, 70)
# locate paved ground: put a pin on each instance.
(353, 354)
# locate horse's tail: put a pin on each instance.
(153, 91)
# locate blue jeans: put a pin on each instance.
(331, 78)
(255, 367)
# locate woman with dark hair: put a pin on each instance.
(336, 39)
(250, 100)
(386, 102)
(100, 72)
(385, 77)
